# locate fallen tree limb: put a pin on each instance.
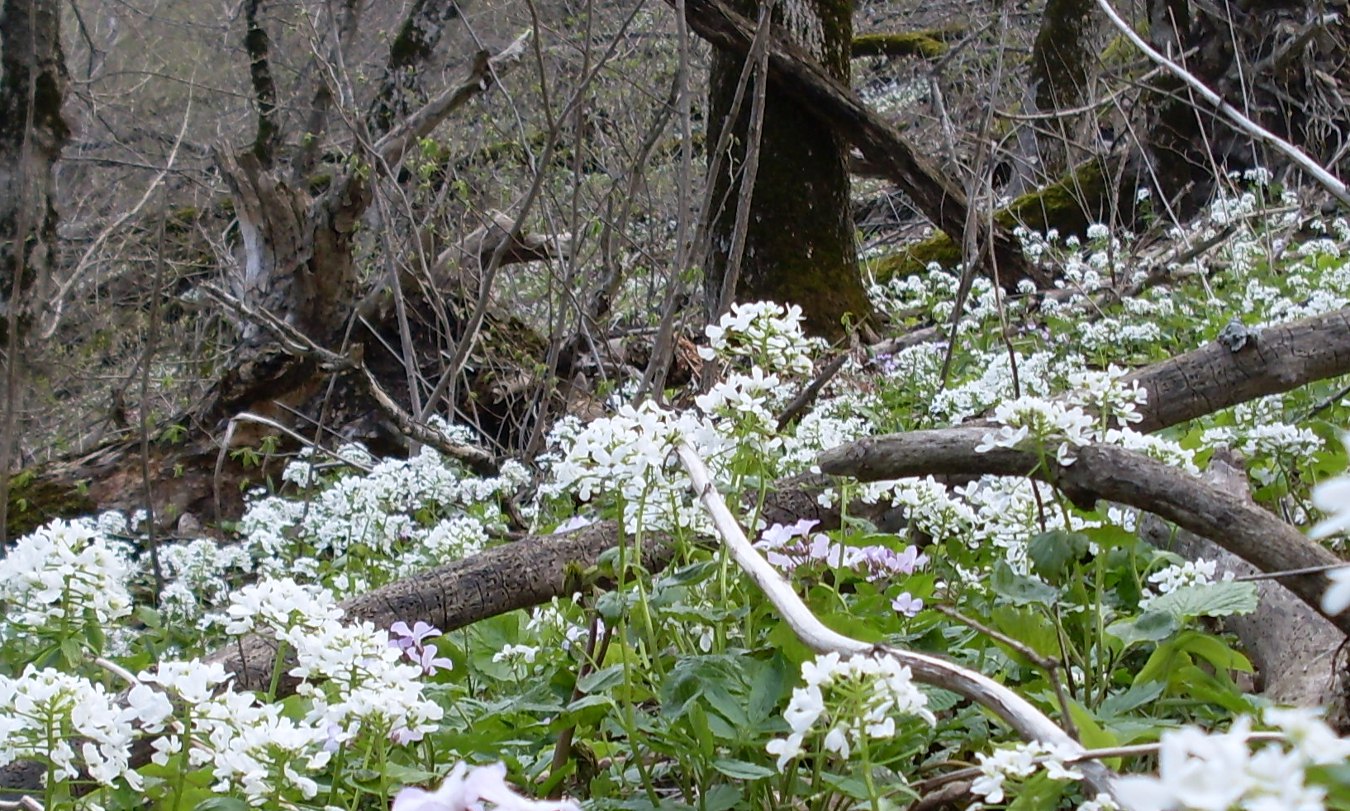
(1104, 472)
(1020, 714)
(1293, 648)
(517, 575)
(1213, 377)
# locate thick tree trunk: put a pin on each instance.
(1060, 62)
(799, 246)
(32, 132)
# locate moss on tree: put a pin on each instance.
(34, 500)
(799, 245)
(1078, 200)
(927, 44)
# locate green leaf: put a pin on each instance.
(742, 769)
(721, 797)
(1052, 553)
(1021, 589)
(602, 679)
(1038, 792)
(1150, 626)
(1137, 696)
(1222, 599)
(71, 651)
(1029, 626)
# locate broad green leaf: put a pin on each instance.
(1052, 553)
(1137, 696)
(721, 797)
(602, 679)
(742, 769)
(1021, 589)
(1029, 627)
(1221, 599)
(221, 804)
(1150, 626)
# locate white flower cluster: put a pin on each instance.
(851, 698)
(764, 333)
(356, 683)
(1030, 422)
(747, 404)
(199, 575)
(1198, 572)
(631, 455)
(61, 577)
(466, 789)
(1020, 762)
(931, 509)
(249, 746)
(378, 518)
(1097, 401)
(833, 422)
(67, 722)
(1200, 771)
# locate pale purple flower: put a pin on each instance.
(574, 523)
(907, 604)
(412, 642)
(406, 637)
(779, 534)
(465, 789)
(430, 662)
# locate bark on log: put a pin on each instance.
(1294, 649)
(1277, 359)
(1110, 473)
(794, 73)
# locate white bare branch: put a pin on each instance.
(1020, 714)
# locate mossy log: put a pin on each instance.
(1084, 197)
(930, 43)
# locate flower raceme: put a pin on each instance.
(854, 698)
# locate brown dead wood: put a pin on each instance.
(1293, 648)
(1104, 472)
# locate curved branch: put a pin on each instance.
(1020, 714)
(1111, 473)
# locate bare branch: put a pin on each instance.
(1104, 472)
(1020, 714)
(1328, 181)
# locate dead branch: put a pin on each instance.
(1110, 473)
(517, 575)
(1213, 377)
(1293, 648)
(393, 145)
(1020, 714)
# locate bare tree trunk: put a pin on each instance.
(32, 132)
(799, 243)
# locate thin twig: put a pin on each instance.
(1328, 181)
